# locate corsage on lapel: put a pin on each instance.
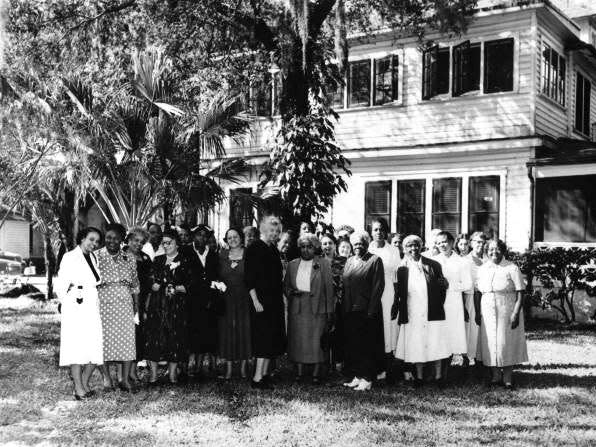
(316, 266)
(174, 265)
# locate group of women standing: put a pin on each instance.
(350, 300)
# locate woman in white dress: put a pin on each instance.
(81, 345)
(458, 275)
(391, 259)
(475, 259)
(420, 295)
(500, 315)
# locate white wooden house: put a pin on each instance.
(488, 131)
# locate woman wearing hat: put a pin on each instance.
(202, 313)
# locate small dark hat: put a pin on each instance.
(202, 227)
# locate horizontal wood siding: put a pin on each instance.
(412, 121)
(579, 63)
(551, 117)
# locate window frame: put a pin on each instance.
(459, 212)
(351, 64)
(471, 213)
(400, 213)
(394, 61)
(462, 68)
(559, 83)
(233, 192)
(430, 72)
(585, 121)
(487, 72)
(367, 187)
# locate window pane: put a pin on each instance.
(360, 83)
(474, 68)
(241, 210)
(565, 209)
(447, 204)
(484, 205)
(377, 197)
(443, 71)
(498, 66)
(410, 206)
(466, 68)
(386, 80)
(488, 223)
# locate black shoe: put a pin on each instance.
(417, 383)
(78, 397)
(316, 380)
(298, 378)
(509, 387)
(125, 388)
(261, 385)
(90, 394)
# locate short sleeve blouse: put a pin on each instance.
(505, 277)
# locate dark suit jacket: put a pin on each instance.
(436, 291)
(202, 293)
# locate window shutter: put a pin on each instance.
(411, 206)
(377, 201)
(579, 95)
(430, 72)
(447, 204)
(586, 106)
(461, 65)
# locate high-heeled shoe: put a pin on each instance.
(364, 385)
(78, 396)
(354, 383)
(125, 388)
(90, 394)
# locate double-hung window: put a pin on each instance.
(553, 75)
(386, 79)
(359, 83)
(446, 211)
(583, 93)
(483, 205)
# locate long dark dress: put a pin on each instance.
(145, 275)
(337, 271)
(202, 316)
(234, 335)
(263, 272)
(166, 332)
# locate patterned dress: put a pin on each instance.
(119, 283)
(234, 325)
(166, 328)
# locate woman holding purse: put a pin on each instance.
(311, 303)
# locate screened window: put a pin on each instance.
(377, 202)
(386, 79)
(435, 72)
(583, 91)
(466, 68)
(410, 206)
(446, 211)
(498, 66)
(553, 74)
(359, 94)
(483, 205)
(241, 210)
(566, 209)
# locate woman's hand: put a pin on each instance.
(514, 320)
(180, 289)
(258, 306)
(155, 287)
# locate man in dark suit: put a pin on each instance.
(419, 298)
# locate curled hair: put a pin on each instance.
(478, 234)
(360, 236)
(85, 231)
(382, 222)
(310, 238)
(330, 236)
(116, 228)
(237, 230)
(172, 234)
(447, 235)
(412, 238)
(137, 231)
(502, 246)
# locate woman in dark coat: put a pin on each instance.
(202, 302)
(364, 282)
(166, 334)
(234, 324)
(264, 279)
(135, 240)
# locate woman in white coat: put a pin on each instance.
(80, 332)
(459, 277)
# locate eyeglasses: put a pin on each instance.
(167, 243)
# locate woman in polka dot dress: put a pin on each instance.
(118, 295)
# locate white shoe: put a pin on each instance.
(364, 385)
(354, 383)
(408, 377)
(382, 376)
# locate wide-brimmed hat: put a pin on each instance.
(202, 227)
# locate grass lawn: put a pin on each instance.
(554, 404)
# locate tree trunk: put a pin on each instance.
(75, 220)
(50, 261)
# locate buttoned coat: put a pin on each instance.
(321, 288)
